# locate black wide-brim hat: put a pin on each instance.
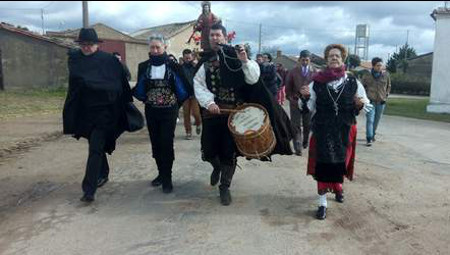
(88, 35)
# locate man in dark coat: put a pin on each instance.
(95, 106)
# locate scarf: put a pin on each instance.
(329, 74)
(158, 60)
(375, 74)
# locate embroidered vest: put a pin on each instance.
(160, 93)
(226, 90)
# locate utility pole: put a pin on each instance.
(407, 36)
(85, 14)
(260, 35)
(42, 18)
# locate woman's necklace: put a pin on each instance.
(335, 102)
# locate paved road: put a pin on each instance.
(399, 202)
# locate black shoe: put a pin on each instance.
(215, 177)
(340, 198)
(225, 197)
(167, 187)
(87, 198)
(298, 153)
(157, 181)
(321, 213)
(305, 145)
(102, 182)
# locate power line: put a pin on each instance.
(27, 9)
(48, 5)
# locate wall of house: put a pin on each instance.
(136, 53)
(440, 89)
(32, 63)
(178, 43)
(420, 66)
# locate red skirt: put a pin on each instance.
(349, 162)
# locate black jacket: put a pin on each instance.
(175, 67)
(97, 95)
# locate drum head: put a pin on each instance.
(248, 120)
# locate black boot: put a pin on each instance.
(167, 185)
(321, 213)
(225, 182)
(215, 175)
(340, 197)
(87, 198)
(158, 180)
(225, 196)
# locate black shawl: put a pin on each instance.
(97, 95)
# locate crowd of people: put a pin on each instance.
(323, 106)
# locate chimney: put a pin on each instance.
(278, 53)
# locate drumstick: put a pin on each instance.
(229, 110)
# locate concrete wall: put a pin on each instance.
(419, 67)
(136, 53)
(31, 63)
(178, 43)
(440, 80)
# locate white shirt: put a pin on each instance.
(158, 72)
(360, 92)
(206, 98)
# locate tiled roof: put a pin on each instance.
(168, 30)
(73, 33)
(36, 36)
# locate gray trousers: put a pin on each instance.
(299, 120)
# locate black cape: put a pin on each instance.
(259, 94)
(97, 96)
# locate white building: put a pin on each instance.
(440, 78)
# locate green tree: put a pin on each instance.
(398, 60)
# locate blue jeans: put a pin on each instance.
(372, 119)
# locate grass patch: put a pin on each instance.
(31, 102)
(413, 108)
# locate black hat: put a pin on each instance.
(88, 35)
(305, 54)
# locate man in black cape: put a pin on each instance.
(225, 79)
(95, 106)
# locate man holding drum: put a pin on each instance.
(218, 85)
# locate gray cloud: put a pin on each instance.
(290, 26)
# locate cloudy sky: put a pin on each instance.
(289, 26)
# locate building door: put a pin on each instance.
(114, 46)
(1, 71)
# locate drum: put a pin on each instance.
(250, 126)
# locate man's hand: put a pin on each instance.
(214, 109)
(304, 91)
(241, 53)
(358, 103)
